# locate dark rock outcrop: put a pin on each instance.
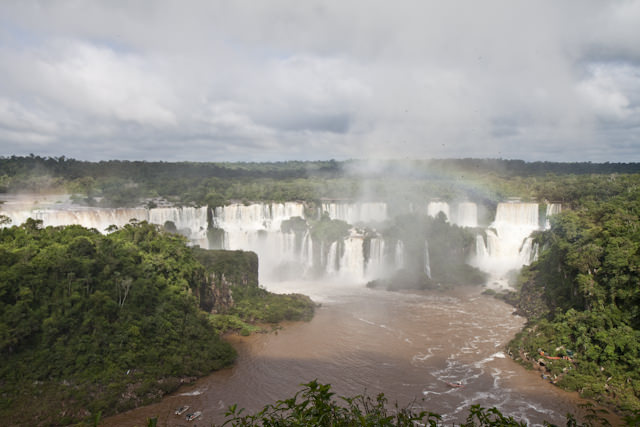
(224, 270)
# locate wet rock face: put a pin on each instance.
(224, 270)
(215, 294)
(531, 302)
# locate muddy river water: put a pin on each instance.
(407, 345)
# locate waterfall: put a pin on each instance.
(528, 251)
(467, 215)
(190, 222)
(376, 261)
(434, 208)
(427, 264)
(352, 261)
(508, 246)
(306, 252)
(517, 214)
(552, 209)
(256, 228)
(481, 247)
(354, 213)
(98, 218)
(332, 259)
(399, 254)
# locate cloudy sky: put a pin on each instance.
(288, 79)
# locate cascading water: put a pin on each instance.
(466, 214)
(434, 208)
(257, 227)
(399, 254)
(427, 263)
(97, 218)
(355, 213)
(376, 260)
(552, 209)
(332, 259)
(191, 222)
(306, 252)
(508, 245)
(352, 261)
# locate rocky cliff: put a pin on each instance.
(223, 271)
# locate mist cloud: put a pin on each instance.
(280, 80)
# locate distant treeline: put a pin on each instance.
(62, 167)
(398, 182)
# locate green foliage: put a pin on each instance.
(295, 225)
(587, 276)
(479, 416)
(317, 405)
(254, 304)
(329, 230)
(79, 310)
(109, 322)
(237, 267)
(399, 182)
(239, 271)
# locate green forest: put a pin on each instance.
(582, 298)
(125, 183)
(96, 324)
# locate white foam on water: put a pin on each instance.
(481, 363)
(367, 321)
(192, 393)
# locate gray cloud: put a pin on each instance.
(277, 80)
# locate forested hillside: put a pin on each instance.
(94, 323)
(583, 299)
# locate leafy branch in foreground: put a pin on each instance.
(315, 405)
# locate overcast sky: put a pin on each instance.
(282, 80)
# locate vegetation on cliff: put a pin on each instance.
(239, 271)
(94, 323)
(582, 298)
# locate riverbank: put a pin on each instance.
(554, 370)
(557, 364)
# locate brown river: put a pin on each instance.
(407, 345)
